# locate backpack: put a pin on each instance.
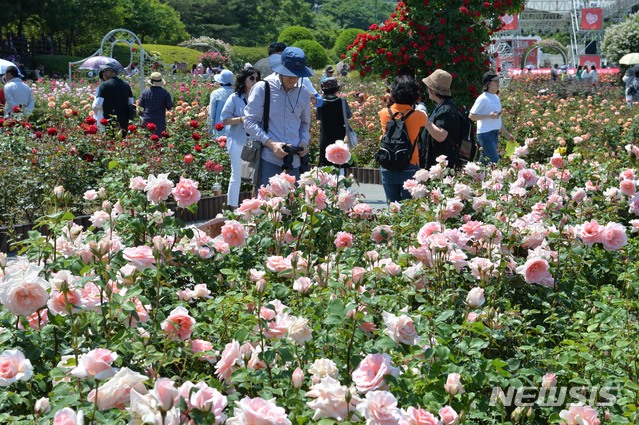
(397, 148)
(467, 145)
(633, 88)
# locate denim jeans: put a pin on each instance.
(269, 170)
(488, 142)
(393, 183)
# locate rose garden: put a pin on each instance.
(502, 294)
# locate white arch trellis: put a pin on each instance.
(109, 41)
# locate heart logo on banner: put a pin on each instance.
(508, 19)
(591, 18)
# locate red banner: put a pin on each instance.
(592, 18)
(590, 60)
(511, 22)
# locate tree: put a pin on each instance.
(621, 39)
(357, 14)
(429, 34)
(153, 21)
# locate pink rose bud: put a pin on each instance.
(298, 378)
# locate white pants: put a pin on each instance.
(235, 151)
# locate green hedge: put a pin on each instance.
(53, 64)
(291, 35)
(242, 55)
(345, 38)
(121, 52)
(316, 56)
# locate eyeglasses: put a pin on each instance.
(254, 78)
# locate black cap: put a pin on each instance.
(487, 78)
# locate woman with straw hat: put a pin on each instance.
(443, 125)
(155, 100)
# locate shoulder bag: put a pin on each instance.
(351, 137)
(252, 151)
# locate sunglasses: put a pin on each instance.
(254, 78)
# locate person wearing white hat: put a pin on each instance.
(155, 100)
(18, 96)
(218, 99)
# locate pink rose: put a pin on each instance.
(116, 392)
(257, 411)
(250, 207)
(358, 273)
(580, 415)
(165, 394)
(278, 185)
(90, 195)
(158, 188)
(63, 303)
(475, 297)
(14, 367)
(338, 153)
(141, 257)
(297, 379)
(276, 263)
(186, 193)
(535, 270)
(628, 187)
(453, 384)
(179, 324)
(137, 183)
(381, 233)
(23, 292)
(370, 373)
(67, 416)
(343, 240)
(418, 416)
(202, 346)
(448, 415)
(591, 233)
(234, 233)
(401, 329)
(230, 359)
(380, 408)
(302, 285)
(329, 400)
(207, 399)
(96, 364)
(613, 237)
(549, 380)
(557, 161)
(427, 230)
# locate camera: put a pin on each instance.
(291, 152)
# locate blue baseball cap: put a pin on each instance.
(292, 63)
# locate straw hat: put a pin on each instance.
(156, 79)
(439, 82)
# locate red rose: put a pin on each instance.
(87, 157)
(155, 137)
(219, 126)
(198, 148)
(218, 168)
(16, 109)
(194, 124)
(38, 134)
(196, 136)
(132, 128)
(62, 138)
(92, 129)
(151, 127)
(209, 165)
(165, 134)
(74, 112)
(104, 121)
(52, 131)
(188, 158)
(1, 122)
(90, 120)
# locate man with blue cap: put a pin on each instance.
(289, 118)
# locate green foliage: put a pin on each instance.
(54, 64)
(621, 38)
(325, 30)
(444, 34)
(172, 54)
(293, 34)
(154, 21)
(346, 37)
(316, 56)
(243, 54)
(357, 14)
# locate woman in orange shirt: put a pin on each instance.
(405, 93)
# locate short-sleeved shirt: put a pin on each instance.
(444, 116)
(414, 123)
(486, 104)
(116, 94)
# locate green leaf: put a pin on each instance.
(112, 164)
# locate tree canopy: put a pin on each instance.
(621, 39)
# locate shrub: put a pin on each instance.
(54, 64)
(316, 56)
(344, 39)
(172, 54)
(621, 39)
(208, 44)
(213, 59)
(243, 54)
(291, 35)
